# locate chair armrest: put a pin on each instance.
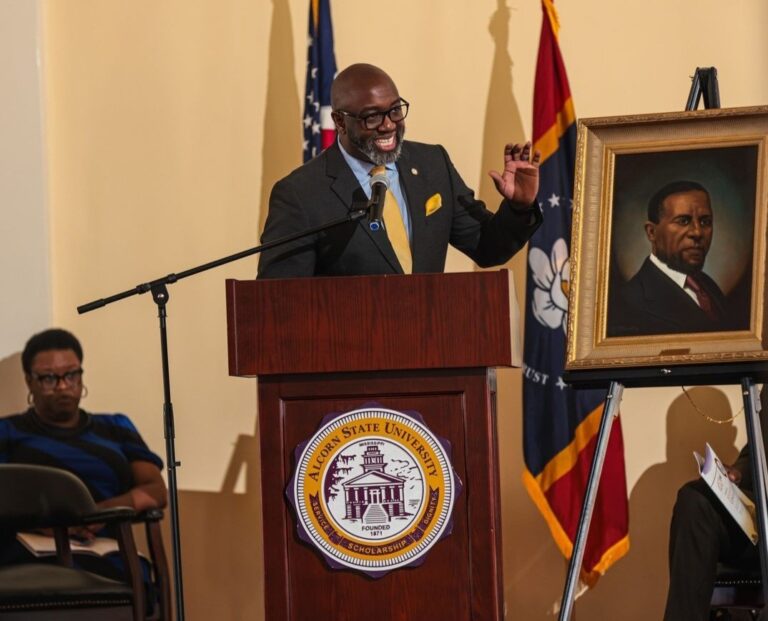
(110, 515)
(149, 515)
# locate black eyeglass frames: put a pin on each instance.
(49, 381)
(373, 120)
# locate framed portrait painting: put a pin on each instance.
(668, 262)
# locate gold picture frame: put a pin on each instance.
(619, 318)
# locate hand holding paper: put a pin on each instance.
(722, 480)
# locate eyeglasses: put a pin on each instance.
(374, 120)
(49, 381)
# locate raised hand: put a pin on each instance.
(519, 182)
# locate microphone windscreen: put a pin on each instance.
(380, 178)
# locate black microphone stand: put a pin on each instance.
(159, 290)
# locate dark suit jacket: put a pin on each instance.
(325, 188)
(652, 303)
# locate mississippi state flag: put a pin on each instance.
(560, 424)
(321, 69)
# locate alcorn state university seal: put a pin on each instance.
(373, 490)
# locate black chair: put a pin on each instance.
(738, 594)
(33, 497)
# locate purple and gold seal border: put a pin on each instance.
(373, 424)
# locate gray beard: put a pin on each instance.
(379, 158)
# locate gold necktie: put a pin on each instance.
(395, 228)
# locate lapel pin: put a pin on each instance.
(414, 171)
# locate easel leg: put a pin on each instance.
(755, 438)
(610, 411)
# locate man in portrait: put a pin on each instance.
(671, 293)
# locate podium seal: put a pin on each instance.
(373, 490)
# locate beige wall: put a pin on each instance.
(24, 235)
(169, 121)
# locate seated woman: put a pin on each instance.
(104, 450)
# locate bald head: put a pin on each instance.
(355, 80)
(368, 113)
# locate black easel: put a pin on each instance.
(704, 84)
(159, 291)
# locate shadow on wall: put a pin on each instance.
(221, 534)
(222, 542)
(534, 553)
(281, 151)
(13, 390)
(642, 576)
(503, 123)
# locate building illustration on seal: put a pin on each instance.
(373, 490)
(374, 496)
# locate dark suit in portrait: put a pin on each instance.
(442, 209)
(652, 303)
(671, 293)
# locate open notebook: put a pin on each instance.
(741, 508)
(43, 545)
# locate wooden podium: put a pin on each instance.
(421, 342)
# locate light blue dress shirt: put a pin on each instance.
(362, 172)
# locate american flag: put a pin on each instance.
(319, 131)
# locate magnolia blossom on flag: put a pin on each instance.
(551, 276)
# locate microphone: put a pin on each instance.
(379, 187)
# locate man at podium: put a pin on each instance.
(426, 205)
